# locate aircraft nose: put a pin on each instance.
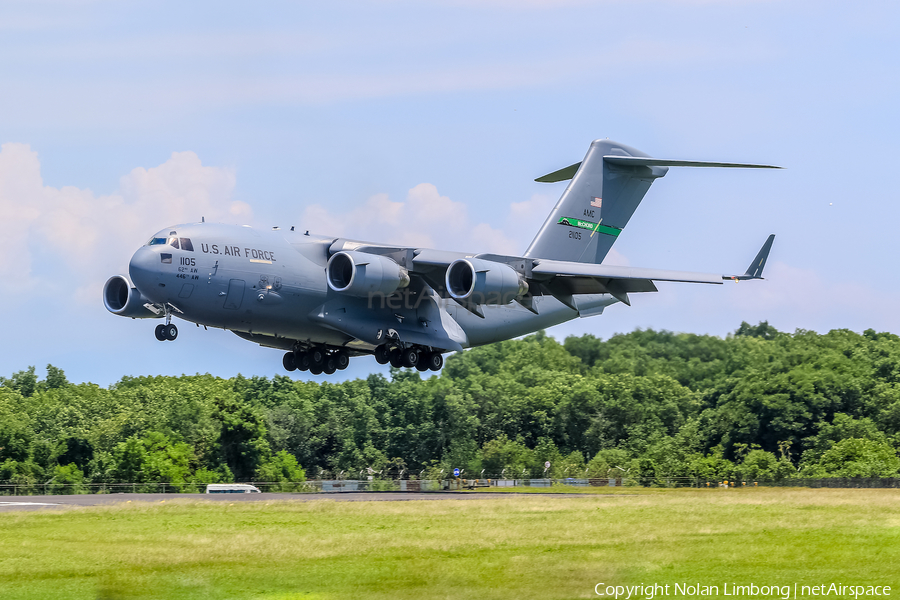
(144, 269)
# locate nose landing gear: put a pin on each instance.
(166, 332)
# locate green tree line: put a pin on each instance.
(760, 404)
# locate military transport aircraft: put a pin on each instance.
(324, 299)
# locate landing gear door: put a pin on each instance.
(235, 294)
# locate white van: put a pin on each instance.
(231, 488)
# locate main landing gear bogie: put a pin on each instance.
(316, 360)
(423, 359)
(321, 359)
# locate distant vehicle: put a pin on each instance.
(231, 488)
(324, 299)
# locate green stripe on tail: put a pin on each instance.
(590, 226)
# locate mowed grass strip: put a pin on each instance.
(522, 546)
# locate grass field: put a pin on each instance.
(511, 546)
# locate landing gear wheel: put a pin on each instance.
(289, 362)
(395, 358)
(317, 356)
(409, 357)
(422, 364)
(160, 332)
(171, 332)
(341, 360)
(435, 361)
(330, 365)
(302, 361)
(382, 355)
(315, 369)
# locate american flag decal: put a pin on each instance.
(596, 202)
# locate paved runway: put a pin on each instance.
(13, 503)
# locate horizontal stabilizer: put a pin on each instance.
(642, 161)
(567, 173)
(561, 175)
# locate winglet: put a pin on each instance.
(754, 271)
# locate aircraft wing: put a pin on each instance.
(560, 279)
(575, 269)
(563, 279)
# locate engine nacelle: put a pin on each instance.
(484, 282)
(121, 298)
(362, 274)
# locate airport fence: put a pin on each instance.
(837, 482)
(310, 487)
(434, 485)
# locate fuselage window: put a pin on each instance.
(156, 241)
(186, 244)
(173, 241)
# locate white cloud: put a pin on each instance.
(184, 74)
(184, 45)
(445, 75)
(424, 219)
(72, 236)
(530, 214)
(554, 5)
(428, 220)
(18, 208)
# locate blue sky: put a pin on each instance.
(426, 123)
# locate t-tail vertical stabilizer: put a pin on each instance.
(596, 205)
(606, 189)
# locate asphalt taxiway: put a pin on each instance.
(16, 503)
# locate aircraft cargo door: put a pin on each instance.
(235, 294)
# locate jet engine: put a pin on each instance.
(121, 298)
(484, 282)
(361, 274)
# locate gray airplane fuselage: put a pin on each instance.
(269, 286)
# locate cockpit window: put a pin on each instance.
(173, 241)
(186, 244)
(156, 241)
